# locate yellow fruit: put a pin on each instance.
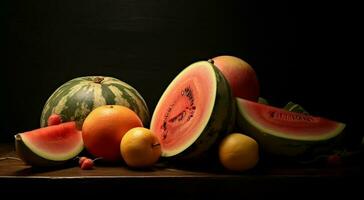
(104, 127)
(238, 152)
(140, 148)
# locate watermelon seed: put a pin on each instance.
(164, 134)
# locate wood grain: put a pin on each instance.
(17, 168)
(165, 179)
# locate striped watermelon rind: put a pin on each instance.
(75, 99)
(221, 120)
(65, 135)
(31, 158)
(281, 144)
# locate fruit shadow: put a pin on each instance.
(35, 170)
(204, 165)
(210, 168)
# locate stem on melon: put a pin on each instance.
(98, 80)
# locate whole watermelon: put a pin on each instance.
(75, 99)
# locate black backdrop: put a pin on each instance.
(146, 43)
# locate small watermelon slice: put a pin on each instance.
(49, 146)
(285, 133)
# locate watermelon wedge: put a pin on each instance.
(281, 132)
(194, 112)
(48, 146)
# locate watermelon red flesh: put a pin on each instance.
(185, 106)
(286, 124)
(54, 142)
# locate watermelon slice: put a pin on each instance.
(193, 113)
(49, 146)
(281, 132)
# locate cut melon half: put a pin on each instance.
(195, 109)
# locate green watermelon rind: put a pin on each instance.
(71, 103)
(38, 158)
(275, 143)
(221, 121)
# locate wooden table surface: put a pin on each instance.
(16, 176)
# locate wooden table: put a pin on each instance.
(161, 180)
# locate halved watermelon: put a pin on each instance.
(196, 110)
(49, 146)
(281, 132)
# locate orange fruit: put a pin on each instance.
(104, 128)
(238, 152)
(140, 148)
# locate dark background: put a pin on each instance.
(299, 52)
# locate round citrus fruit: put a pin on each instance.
(238, 152)
(104, 128)
(140, 148)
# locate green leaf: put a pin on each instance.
(261, 100)
(293, 107)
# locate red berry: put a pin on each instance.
(334, 159)
(81, 160)
(54, 119)
(87, 164)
